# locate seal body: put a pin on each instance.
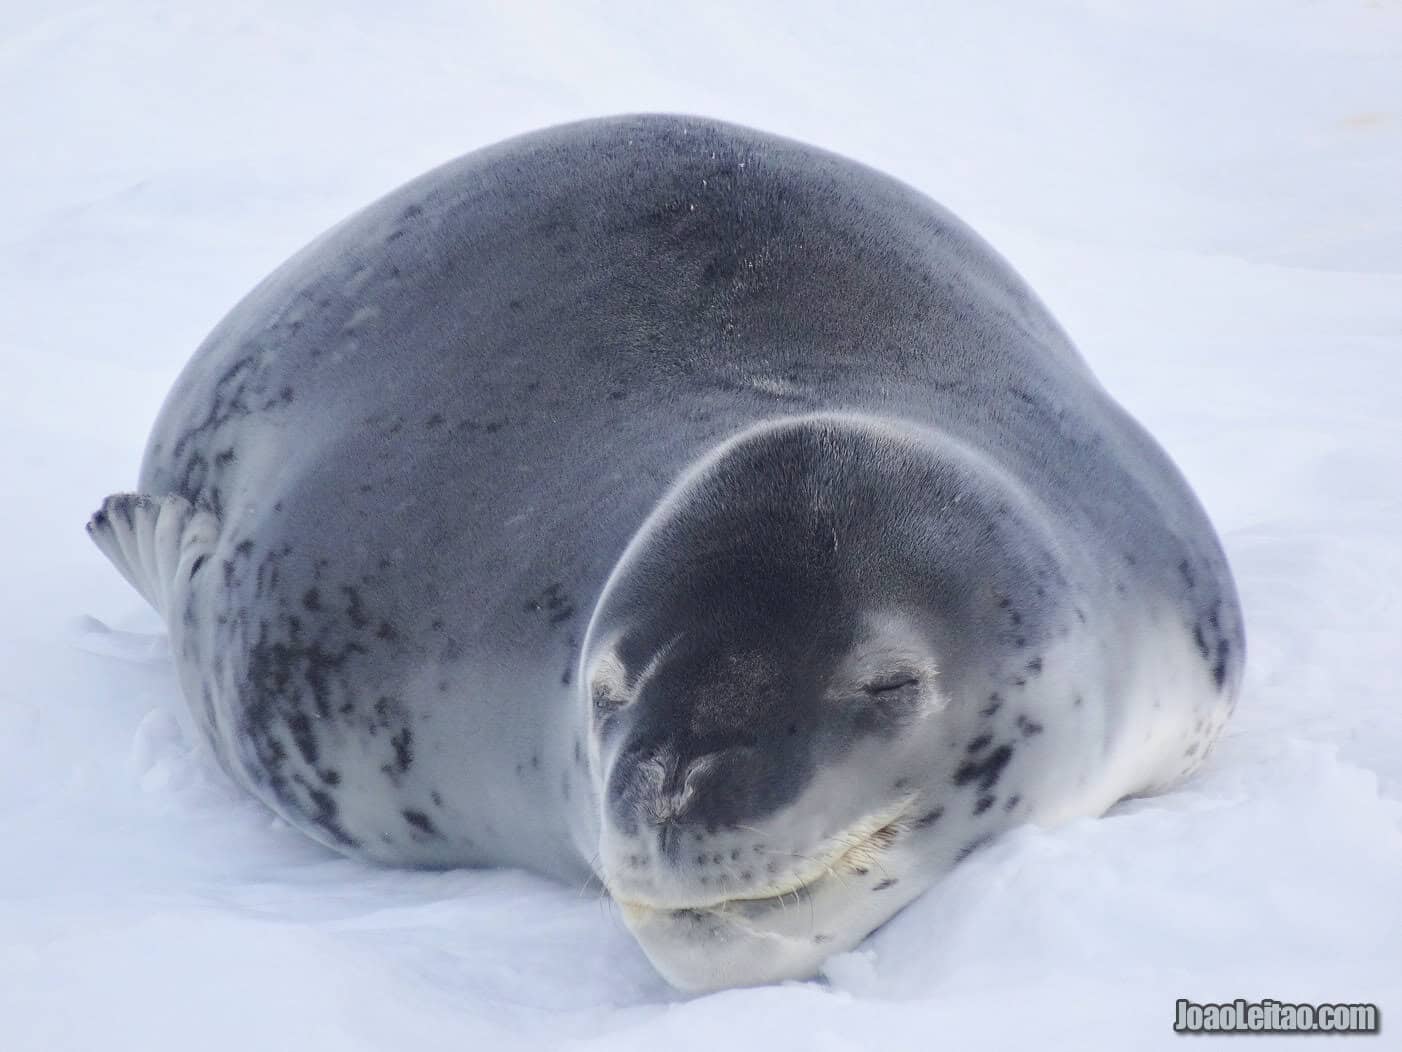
(656, 499)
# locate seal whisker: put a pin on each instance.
(593, 876)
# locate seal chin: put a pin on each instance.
(783, 930)
(712, 949)
(749, 942)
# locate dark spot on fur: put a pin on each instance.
(403, 744)
(1013, 801)
(421, 822)
(331, 777)
(929, 818)
(986, 771)
(1200, 642)
(995, 702)
(1028, 727)
(571, 650)
(1035, 666)
(200, 560)
(984, 803)
(301, 727)
(981, 742)
(1187, 572)
(326, 816)
(311, 599)
(384, 710)
(969, 848)
(436, 797)
(889, 882)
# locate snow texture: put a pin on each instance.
(1206, 195)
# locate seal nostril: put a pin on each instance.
(696, 771)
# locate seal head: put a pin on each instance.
(769, 678)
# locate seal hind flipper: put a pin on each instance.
(153, 541)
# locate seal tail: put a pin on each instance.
(156, 542)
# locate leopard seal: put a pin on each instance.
(658, 500)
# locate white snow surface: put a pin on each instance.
(1205, 193)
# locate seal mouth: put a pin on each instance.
(853, 851)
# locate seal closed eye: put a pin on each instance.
(657, 500)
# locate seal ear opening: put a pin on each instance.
(156, 543)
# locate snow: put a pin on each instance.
(1206, 196)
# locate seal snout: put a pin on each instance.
(668, 791)
(671, 788)
(678, 783)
